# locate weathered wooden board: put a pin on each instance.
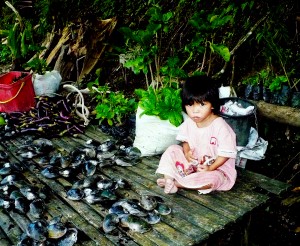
(193, 220)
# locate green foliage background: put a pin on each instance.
(194, 27)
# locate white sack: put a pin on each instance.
(153, 135)
(46, 84)
(226, 91)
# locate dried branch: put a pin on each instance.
(239, 43)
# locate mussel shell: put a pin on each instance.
(55, 220)
(25, 240)
(117, 209)
(21, 205)
(109, 223)
(109, 194)
(28, 154)
(132, 207)
(6, 189)
(106, 184)
(107, 145)
(45, 145)
(37, 208)
(50, 172)
(77, 159)
(89, 152)
(123, 161)
(148, 202)
(43, 160)
(131, 151)
(69, 239)
(37, 230)
(135, 223)
(91, 181)
(15, 194)
(75, 194)
(56, 230)
(29, 192)
(152, 218)
(6, 203)
(5, 170)
(9, 179)
(65, 161)
(55, 159)
(122, 183)
(163, 209)
(89, 168)
(104, 155)
(3, 155)
(94, 197)
(68, 172)
(79, 184)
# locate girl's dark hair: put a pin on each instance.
(198, 89)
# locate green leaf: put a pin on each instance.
(110, 122)
(127, 32)
(222, 50)
(152, 28)
(167, 16)
(175, 118)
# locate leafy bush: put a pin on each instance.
(111, 106)
(164, 103)
(38, 65)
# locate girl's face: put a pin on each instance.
(200, 113)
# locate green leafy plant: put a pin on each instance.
(112, 107)
(277, 82)
(251, 80)
(38, 65)
(19, 38)
(166, 104)
(4, 54)
(206, 25)
(144, 45)
(143, 54)
(266, 78)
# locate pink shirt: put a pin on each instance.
(217, 139)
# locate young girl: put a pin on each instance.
(206, 159)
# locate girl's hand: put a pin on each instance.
(203, 168)
(189, 156)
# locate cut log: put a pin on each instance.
(281, 114)
(96, 44)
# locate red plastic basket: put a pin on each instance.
(16, 95)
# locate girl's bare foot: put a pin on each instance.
(170, 186)
(161, 182)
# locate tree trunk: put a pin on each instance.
(282, 114)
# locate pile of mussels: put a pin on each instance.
(135, 214)
(20, 196)
(16, 194)
(84, 159)
(52, 233)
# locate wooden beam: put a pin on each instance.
(282, 114)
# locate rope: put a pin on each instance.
(79, 102)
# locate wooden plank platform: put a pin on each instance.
(194, 218)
